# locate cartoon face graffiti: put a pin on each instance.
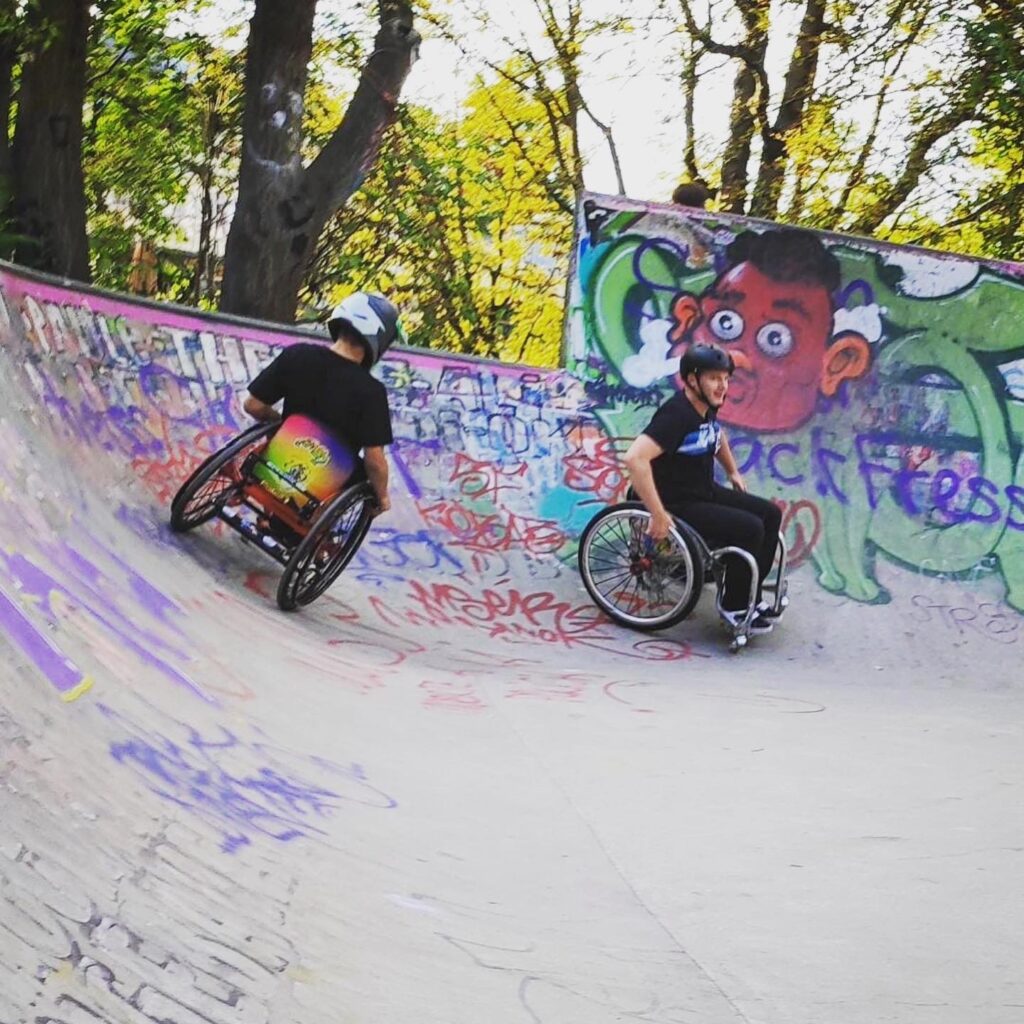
(772, 310)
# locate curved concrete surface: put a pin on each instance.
(449, 792)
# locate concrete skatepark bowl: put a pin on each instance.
(449, 792)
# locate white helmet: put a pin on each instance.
(372, 317)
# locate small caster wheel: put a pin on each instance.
(738, 643)
(784, 603)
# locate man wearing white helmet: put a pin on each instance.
(334, 386)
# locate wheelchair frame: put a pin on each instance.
(630, 585)
(297, 537)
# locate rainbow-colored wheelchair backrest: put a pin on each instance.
(304, 460)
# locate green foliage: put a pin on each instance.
(464, 219)
(456, 223)
(160, 124)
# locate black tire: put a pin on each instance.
(329, 546)
(639, 583)
(208, 489)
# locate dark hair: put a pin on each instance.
(786, 254)
(342, 330)
(691, 193)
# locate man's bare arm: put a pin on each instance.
(728, 462)
(260, 410)
(376, 464)
(638, 460)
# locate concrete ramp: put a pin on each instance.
(450, 792)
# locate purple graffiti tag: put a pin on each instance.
(823, 460)
(857, 287)
(660, 245)
(242, 789)
(41, 587)
(66, 677)
(776, 452)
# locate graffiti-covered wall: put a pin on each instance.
(879, 398)
(500, 462)
(878, 393)
(495, 471)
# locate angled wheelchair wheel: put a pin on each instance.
(638, 582)
(216, 480)
(324, 552)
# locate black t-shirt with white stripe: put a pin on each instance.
(689, 441)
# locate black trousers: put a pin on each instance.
(742, 520)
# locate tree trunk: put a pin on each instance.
(49, 188)
(799, 86)
(282, 207)
(202, 283)
(8, 59)
(750, 79)
(689, 76)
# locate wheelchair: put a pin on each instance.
(313, 539)
(646, 584)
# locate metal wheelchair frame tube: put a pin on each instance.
(755, 579)
(779, 586)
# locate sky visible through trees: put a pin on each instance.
(435, 149)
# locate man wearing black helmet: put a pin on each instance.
(333, 385)
(671, 468)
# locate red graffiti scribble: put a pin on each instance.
(516, 617)
(451, 695)
(484, 479)
(493, 531)
(259, 582)
(570, 686)
(348, 615)
(611, 691)
(369, 655)
(540, 616)
(597, 471)
(918, 455)
(163, 474)
(801, 526)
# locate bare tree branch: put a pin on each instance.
(916, 163)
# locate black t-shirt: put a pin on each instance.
(686, 469)
(340, 394)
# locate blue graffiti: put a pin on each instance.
(243, 789)
(662, 245)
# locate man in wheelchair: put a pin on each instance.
(671, 469)
(333, 387)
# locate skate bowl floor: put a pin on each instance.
(449, 792)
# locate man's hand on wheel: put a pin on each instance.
(659, 526)
(381, 504)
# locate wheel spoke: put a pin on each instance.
(326, 551)
(636, 580)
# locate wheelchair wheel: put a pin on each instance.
(328, 547)
(210, 487)
(638, 582)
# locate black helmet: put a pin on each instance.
(700, 356)
(372, 317)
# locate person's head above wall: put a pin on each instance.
(692, 193)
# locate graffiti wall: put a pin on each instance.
(879, 390)
(495, 470)
(879, 399)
